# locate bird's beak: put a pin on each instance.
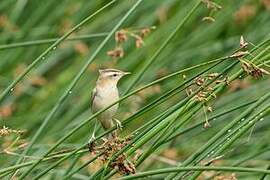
(126, 73)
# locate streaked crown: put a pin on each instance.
(111, 74)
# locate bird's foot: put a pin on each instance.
(91, 146)
(118, 124)
(91, 143)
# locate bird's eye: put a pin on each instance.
(114, 75)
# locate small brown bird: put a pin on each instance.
(104, 94)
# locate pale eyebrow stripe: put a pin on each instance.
(111, 70)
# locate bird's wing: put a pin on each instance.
(94, 93)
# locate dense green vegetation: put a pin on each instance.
(196, 105)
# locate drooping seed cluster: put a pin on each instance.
(248, 67)
(111, 146)
(123, 35)
(203, 86)
(206, 89)
(212, 7)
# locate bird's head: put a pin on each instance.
(111, 75)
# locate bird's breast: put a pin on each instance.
(105, 96)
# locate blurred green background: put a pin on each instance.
(23, 23)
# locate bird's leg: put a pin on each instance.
(91, 143)
(93, 137)
(118, 124)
